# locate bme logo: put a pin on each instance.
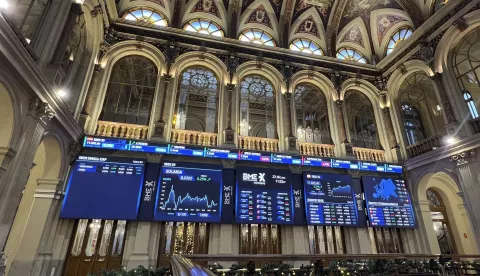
(254, 177)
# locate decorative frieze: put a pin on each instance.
(40, 110)
(463, 158)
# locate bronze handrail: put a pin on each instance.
(314, 257)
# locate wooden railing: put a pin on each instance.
(257, 143)
(194, 137)
(323, 150)
(424, 146)
(369, 154)
(121, 130)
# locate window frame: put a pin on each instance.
(396, 41)
(210, 23)
(254, 40)
(351, 53)
(144, 18)
(318, 51)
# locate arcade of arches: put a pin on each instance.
(361, 82)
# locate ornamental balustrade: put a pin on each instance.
(121, 130)
(258, 143)
(194, 137)
(369, 154)
(424, 146)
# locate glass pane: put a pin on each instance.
(437, 215)
(93, 237)
(79, 237)
(118, 240)
(107, 233)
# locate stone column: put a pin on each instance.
(425, 225)
(291, 139)
(140, 247)
(14, 181)
(75, 11)
(229, 131)
(452, 123)
(90, 99)
(392, 140)
(468, 168)
(46, 199)
(159, 130)
(342, 130)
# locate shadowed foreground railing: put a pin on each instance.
(182, 266)
(340, 265)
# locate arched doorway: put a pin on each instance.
(441, 224)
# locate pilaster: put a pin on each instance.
(347, 147)
(300, 243)
(229, 131)
(392, 140)
(426, 226)
(227, 239)
(160, 125)
(140, 247)
(290, 140)
(90, 98)
(452, 126)
(46, 195)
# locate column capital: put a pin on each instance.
(339, 103)
(287, 95)
(230, 87)
(228, 163)
(48, 188)
(40, 110)
(463, 158)
(167, 78)
(154, 158)
(386, 110)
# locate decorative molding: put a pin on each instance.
(154, 158)
(40, 110)
(464, 157)
(228, 163)
(296, 169)
(74, 148)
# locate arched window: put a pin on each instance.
(471, 105)
(257, 36)
(397, 38)
(420, 110)
(28, 16)
(361, 121)
(350, 54)
(306, 46)
(197, 100)
(311, 114)
(412, 122)
(467, 69)
(146, 16)
(130, 92)
(257, 108)
(441, 225)
(203, 26)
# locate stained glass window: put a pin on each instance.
(306, 46)
(203, 26)
(397, 38)
(311, 114)
(351, 54)
(257, 36)
(471, 105)
(197, 100)
(257, 107)
(146, 16)
(130, 91)
(361, 121)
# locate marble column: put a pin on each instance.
(90, 99)
(160, 125)
(468, 167)
(229, 131)
(392, 140)
(46, 200)
(291, 140)
(14, 180)
(452, 123)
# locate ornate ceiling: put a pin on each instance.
(364, 25)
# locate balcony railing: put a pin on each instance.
(314, 149)
(424, 146)
(257, 143)
(121, 130)
(369, 154)
(194, 137)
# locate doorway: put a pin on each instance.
(441, 225)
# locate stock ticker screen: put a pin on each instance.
(264, 196)
(189, 192)
(333, 199)
(104, 187)
(388, 202)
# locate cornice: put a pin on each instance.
(22, 62)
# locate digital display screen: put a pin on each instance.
(286, 159)
(388, 202)
(186, 150)
(104, 188)
(316, 162)
(254, 156)
(264, 196)
(148, 147)
(189, 193)
(330, 199)
(221, 153)
(105, 143)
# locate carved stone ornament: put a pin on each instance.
(339, 103)
(463, 158)
(296, 169)
(383, 96)
(74, 148)
(40, 110)
(228, 163)
(154, 158)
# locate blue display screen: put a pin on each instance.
(317, 162)
(254, 156)
(341, 164)
(264, 196)
(388, 202)
(221, 153)
(189, 193)
(286, 159)
(186, 150)
(148, 147)
(331, 199)
(371, 166)
(105, 143)
(104, 188)
(393, 168)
